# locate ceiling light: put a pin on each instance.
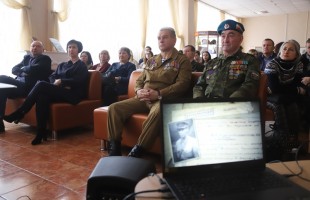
(261, 12)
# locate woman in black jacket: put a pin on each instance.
(67, 84)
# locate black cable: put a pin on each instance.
(23, 196)
(297, 163)
(161, 181)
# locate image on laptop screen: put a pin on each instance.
(200, 133)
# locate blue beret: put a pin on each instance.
(230, 25)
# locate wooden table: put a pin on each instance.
(152, 182)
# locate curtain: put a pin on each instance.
(60, 12)
(195, 14)
(144, 10)
(26, 30)
(174, 8)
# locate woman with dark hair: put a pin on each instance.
(67, 84)
(85, 56)
(205, 57)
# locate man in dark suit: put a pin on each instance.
(32, 68)
(189, 52)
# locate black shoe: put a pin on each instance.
(2, 129)
(41, 135)
(136, 151)
(37, 140)
(115, 148)
(14, 117)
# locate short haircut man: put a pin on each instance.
(189, 52)
(172, 72)
(268, 54)
(34, 67)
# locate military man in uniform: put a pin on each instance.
(233, 73)
(166, 75)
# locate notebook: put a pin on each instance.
(221, 143)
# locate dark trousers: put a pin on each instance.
(20, 91)
(43, 94)
(109, 94)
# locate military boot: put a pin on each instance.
(136, 151)
(114, 148)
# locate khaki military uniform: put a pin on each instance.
(229, 77)
(171, 77)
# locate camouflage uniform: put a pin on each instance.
(233, 76)
(171, 77)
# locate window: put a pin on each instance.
(113, 24)
(208, 18)
(9, 40)
(102, 25)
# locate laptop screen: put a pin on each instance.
(199, 133)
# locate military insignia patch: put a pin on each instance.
(226, 26)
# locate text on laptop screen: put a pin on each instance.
(200, 133)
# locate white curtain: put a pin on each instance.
(9, 38)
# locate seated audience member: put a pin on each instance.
(305, 59)
(205, 58)
(267, 54)
(253, 52)
(189, 52)
(133, 61)
(116, 78)
(87, 59)
(232, 74)
(147, 56)
(197, 57)
(103, 65)
(285, 88)
(67, 84)
(166, 75)
(277, 48)
(305, 107)
(32, 68)
(146, 49)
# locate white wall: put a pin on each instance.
(278, 28)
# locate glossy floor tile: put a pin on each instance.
(52, 170)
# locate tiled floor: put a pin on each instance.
(53, 170)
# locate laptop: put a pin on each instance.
(214, 149)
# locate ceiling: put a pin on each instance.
(258, 8)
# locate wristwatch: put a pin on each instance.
(159, 97)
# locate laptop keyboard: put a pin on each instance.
(201, 187)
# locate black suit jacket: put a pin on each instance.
(31, 69)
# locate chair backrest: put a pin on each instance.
(132, 83)
(94, 86)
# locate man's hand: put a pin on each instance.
(306, 81)
(147, 95)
